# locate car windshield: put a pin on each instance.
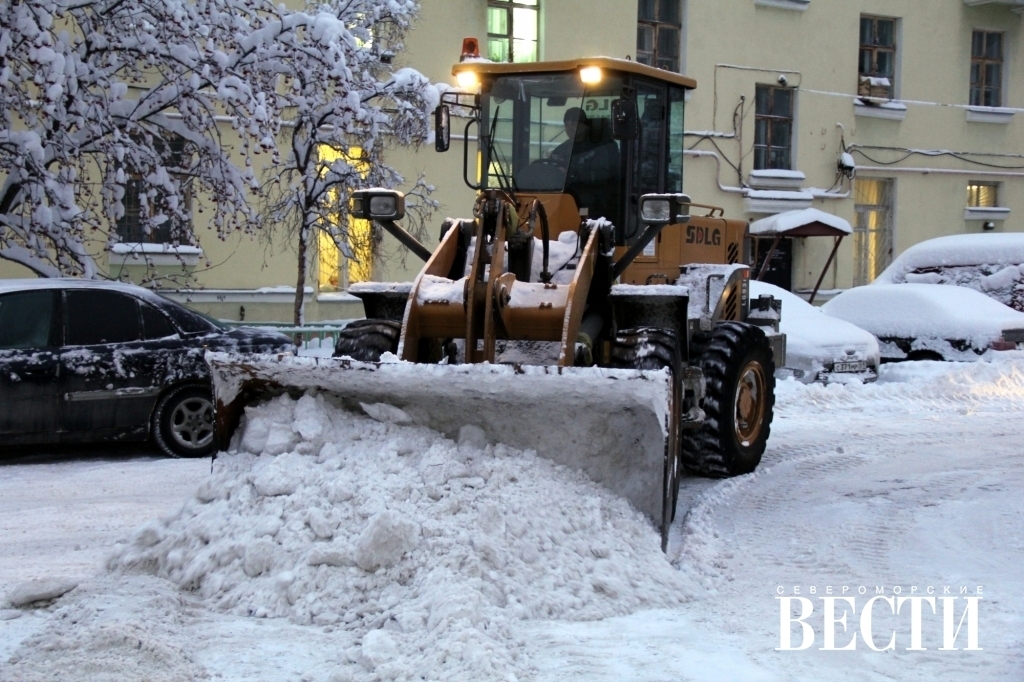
(546, 127)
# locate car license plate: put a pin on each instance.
(858, 366)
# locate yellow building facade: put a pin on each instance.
(904, 117)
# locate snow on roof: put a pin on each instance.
(778, 173)
(956, 250)
(812, 334)
(790, 220)
(925, 310)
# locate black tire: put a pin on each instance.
(183, 422)
(644, 348)
(650, 348)
(368, 340)
(739, 404)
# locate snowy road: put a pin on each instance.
(914, 482)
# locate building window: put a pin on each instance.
(987, 69)
(131, 228)
(658, 33)
(773, 128)
(878, 56)
(512, 30)
(982, 195)
(872, 233)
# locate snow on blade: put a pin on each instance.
(425, 550)
(609, 423)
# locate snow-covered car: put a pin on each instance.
(930, 321)
(992, 264)
(84, 361)
(819, 347)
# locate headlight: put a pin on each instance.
(383, 206)
(467, 80)
(378, 204)
(656, 211)
(664, 209)
(591, 75)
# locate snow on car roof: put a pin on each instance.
(9, 285)
(916, 310)
(809, 332)
(956, 250)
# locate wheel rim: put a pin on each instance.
(192, 423)
(750, 403)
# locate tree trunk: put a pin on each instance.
(300, 285)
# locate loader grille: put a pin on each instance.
(733, 253)
(730, 310)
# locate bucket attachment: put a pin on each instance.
(613, 424)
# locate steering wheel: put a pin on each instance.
(550, 161)
(542, 174)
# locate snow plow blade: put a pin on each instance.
(612, 424)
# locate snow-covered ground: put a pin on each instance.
(363, 549)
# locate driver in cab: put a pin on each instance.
(592, 160)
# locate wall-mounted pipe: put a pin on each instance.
(939, 171)
(718, 172)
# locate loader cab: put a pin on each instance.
(627, 140)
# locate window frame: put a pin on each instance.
(129, 228)
(656, 25)
(509, 36)
(975, 196)
(982, 62)
(876, 48)
(770, 117)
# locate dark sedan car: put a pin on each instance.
(85, 361)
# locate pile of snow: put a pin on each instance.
(112, 630)
(925, 311)
(990, 263)
(425, 549)
(914, 388)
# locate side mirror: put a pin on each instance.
(377, 204)
(625, 120)
(442, 128)
(665, 209)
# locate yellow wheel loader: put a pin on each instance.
(588, 310)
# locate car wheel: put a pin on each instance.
(183, 422)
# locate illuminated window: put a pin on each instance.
(334, 271)
(658, 32)
(872, 233)
(987, 69)
(982, 195)
(512, 33)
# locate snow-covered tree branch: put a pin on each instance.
(182, 96)
(337, 138)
